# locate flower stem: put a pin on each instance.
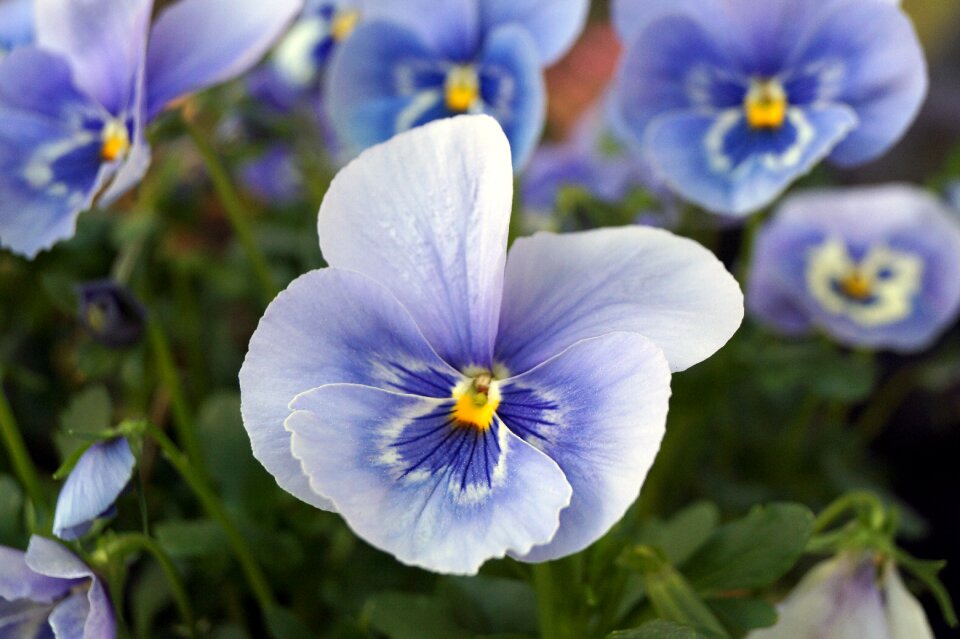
(236, 211)
(182, 418)
(132, 542)
(19, 457)
(210, 502)
(543, 582)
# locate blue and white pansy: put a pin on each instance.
(16, 24)
(877, 267)
(454, 405)
(733, 100)
(74, 106)
(416, 61)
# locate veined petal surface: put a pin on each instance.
(599, 410)
(427, 217)
(554, 24)
(560, 289)
(435, 494)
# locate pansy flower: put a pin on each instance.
(853, 596)
(73, 108)
(877, 267)
(94, 484)
(16, 24)
(454, 405)
(48, 592)
(416, 61)
(733, 100)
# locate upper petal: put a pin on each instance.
(19, 581)
(560, 289)
(435, 494)
(103, 40)
(426, 215)
(16, 24)
(905, 615)
(329, 326)
(554, 24)
(632, 17)
(599, 410)
(198, 43)
(99, 477)
(451, 27)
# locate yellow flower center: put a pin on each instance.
(343, 24)
(116, 141)
(766, 104)
(462, 88)
(856, 286)
(477, 400)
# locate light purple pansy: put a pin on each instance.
(456, 405)
(74, 106)
(852, 596)
(94, 484)
(16, 24)
(416, 61)
(875, 267)
(733, 100)
(48, 592)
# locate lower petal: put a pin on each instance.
(705, 161)
(599, 410)
(408, 480)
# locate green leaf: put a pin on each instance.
(487, 605)
(754, 551)
(743, 615)
(403, 616)
(658, 629)
(191, 539)
(11, 511)
(681, 535)
(283, 624)
(89, 411)
(672, 596)
(928, 572)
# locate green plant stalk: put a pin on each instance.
(182, 418)
(236, 211)
(132, 542)
(210, 502)
(19, 457)
(543, 582)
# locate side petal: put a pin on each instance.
(103, 40)
(554, 24)
(47, 557)
(884, 74)
(599, 410)
(198, 43)
(426, 215)
(366, 92)
(561, 289)
(96, 482)
(408, 481)
(68, 618)
(514, 89)
(19, 581)
(328, 327)
(720, 166)
(905, 615)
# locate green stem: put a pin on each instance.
(182, 418)
(236, 211)
(210, 503)
(543, 582)
(887, 399)
(19, 457)
(855, 501)
(132, 542)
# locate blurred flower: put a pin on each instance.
(111, 313)
(75, 105)
(48, 592)
(274, 176)
(852, 596)
(592, 159)
(733, 100)
(420, 60)
(874, 266)
(454, 406)
(94, 484)
(16, 24)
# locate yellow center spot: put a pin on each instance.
(116, 141)
(477, 399)
(766, 104)
(462, 88)
(856, 286)
(343, 24)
